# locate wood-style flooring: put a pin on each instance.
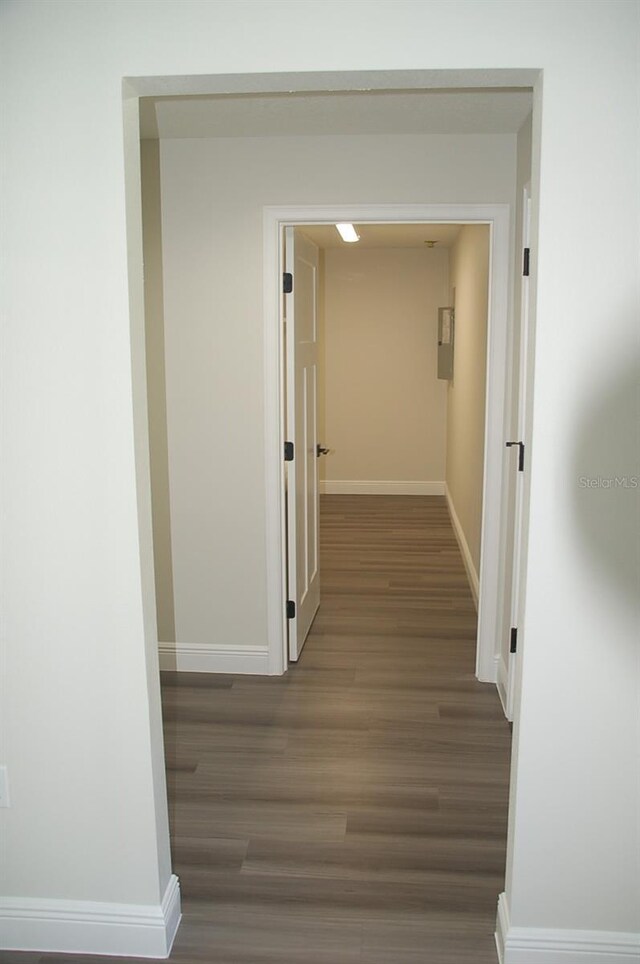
(355, 809)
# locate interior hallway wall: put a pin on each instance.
(385, 409)
(213, 193)
(469, 278)
(156, 387)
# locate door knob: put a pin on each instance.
(321, 450)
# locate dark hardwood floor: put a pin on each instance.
(355, 809)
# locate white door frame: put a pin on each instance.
(521, 434)
(497, 216)
(301, 259)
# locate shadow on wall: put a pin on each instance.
(156, 389)
(606, 461)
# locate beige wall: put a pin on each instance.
(385, 410)
(469, 277)
(156, 390)
(213, 193)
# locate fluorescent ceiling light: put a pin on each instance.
(348, 233)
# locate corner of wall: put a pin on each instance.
(469, 565)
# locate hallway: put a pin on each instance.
(354, 809)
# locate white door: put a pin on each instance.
(303, 517)
(517, 456)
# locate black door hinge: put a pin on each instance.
(514, 640)
(526, 256)
(287, 283)
(520, 454)
(288, 451)
(291, 609)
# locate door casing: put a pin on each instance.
(497, 217)
(303, 515)
(514, 587)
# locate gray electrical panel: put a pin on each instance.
(446, 324)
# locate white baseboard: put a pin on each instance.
(502, 683)
(191, 658)
(89, 927)
(502, 926)
(472, 575)
(354, 487)
(536, 945)
(171, 911)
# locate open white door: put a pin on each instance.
(518, 463)
(303, 505)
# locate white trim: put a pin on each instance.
(215, 658)
(538, 945)
(171, 910)
(472, 575)
(492, 536)
(502, 926)
(91, 927)
(502, 683)
(490, 603)
(516, 589)
(353, 487)
(274, 429)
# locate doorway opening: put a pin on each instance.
(296, 483)
(373, 409)
(228, 407)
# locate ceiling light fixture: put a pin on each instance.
(348, 233)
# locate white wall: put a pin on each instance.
(213, 192)
(71, 576)
(466, 392)
(385, 410)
